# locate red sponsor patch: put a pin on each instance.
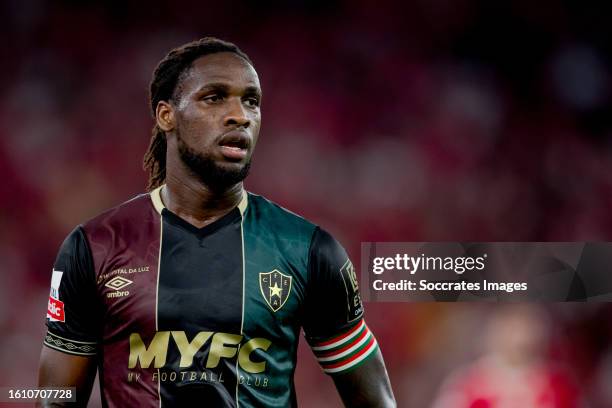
(55, 310)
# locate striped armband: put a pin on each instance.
(347, 350)
(80, 348)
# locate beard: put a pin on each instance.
(210, 173)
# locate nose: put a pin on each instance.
(236, 115)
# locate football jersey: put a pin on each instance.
(176, 314)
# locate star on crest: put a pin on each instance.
(275, 290)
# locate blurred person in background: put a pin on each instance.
(514, 370)
(197, 290)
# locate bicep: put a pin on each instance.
(58, 369)
(366, 385)
(332, 304)
(68, 357)
(343, 344)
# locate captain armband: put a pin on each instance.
(345, 351)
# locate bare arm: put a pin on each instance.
(367, 385)
(66, 370)
(336, 331)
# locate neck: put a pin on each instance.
(196, 203)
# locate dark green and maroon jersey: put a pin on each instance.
(177, 314)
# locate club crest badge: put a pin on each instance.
(275, 287)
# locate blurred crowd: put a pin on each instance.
(386, 121)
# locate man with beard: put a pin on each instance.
(195, 293)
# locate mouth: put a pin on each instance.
(235, 145)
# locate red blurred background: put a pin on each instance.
(382, 121)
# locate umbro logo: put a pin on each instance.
(118, 283)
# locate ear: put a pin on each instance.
(164, 115)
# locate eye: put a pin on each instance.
(252, 101)
(213, 98)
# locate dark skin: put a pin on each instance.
(220, 96)
(215, 114)
(66, 370)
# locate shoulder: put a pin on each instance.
(262, 211)
(134, 224)
(134, 211)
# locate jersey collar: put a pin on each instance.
(159, 205)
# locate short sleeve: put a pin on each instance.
(72, 323)
(333, 312)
